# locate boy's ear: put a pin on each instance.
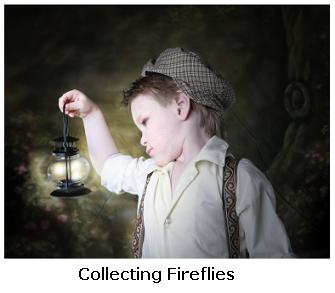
(183, 105)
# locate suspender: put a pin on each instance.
(138, 235)
(229, 209)
(229, 206)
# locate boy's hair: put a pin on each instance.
(164, 89)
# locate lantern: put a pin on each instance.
(68, 169)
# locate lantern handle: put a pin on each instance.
(65, 143)
(65, 127)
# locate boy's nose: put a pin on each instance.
(143, 140)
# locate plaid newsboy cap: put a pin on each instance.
(194, 77)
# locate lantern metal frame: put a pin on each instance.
(65, 146)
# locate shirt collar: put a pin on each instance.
(213, 151)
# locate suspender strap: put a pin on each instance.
(229, 206)
(138, 235)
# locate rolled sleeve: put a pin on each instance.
(264, 232)
(125, 174)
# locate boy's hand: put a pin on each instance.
(77, 104)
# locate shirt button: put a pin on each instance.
(167, 221)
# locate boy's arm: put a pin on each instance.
(99, 139)
(264, 232)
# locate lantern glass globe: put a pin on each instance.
(78, 168)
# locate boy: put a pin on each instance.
(177, 104)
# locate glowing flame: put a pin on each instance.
(78, 169)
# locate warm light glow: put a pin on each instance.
(58, 169)
(78, 172)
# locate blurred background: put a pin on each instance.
(276, 58)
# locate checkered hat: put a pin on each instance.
(194, 77)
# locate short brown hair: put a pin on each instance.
(164, 89)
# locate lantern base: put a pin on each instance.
(70, 192)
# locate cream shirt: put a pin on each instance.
(191, 223)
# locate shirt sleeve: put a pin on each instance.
(264, 232)
(122, 173)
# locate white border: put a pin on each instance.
(61, 275)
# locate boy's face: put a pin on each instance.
(159, 126)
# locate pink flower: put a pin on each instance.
(21, 169)
(63, 218)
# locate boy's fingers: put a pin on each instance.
(71, 99)
(74, 113)
(70, 96)
(60, 104)
(70, 107)
(64, 99)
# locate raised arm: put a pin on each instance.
(99, 139)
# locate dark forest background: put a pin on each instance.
(276, 58)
